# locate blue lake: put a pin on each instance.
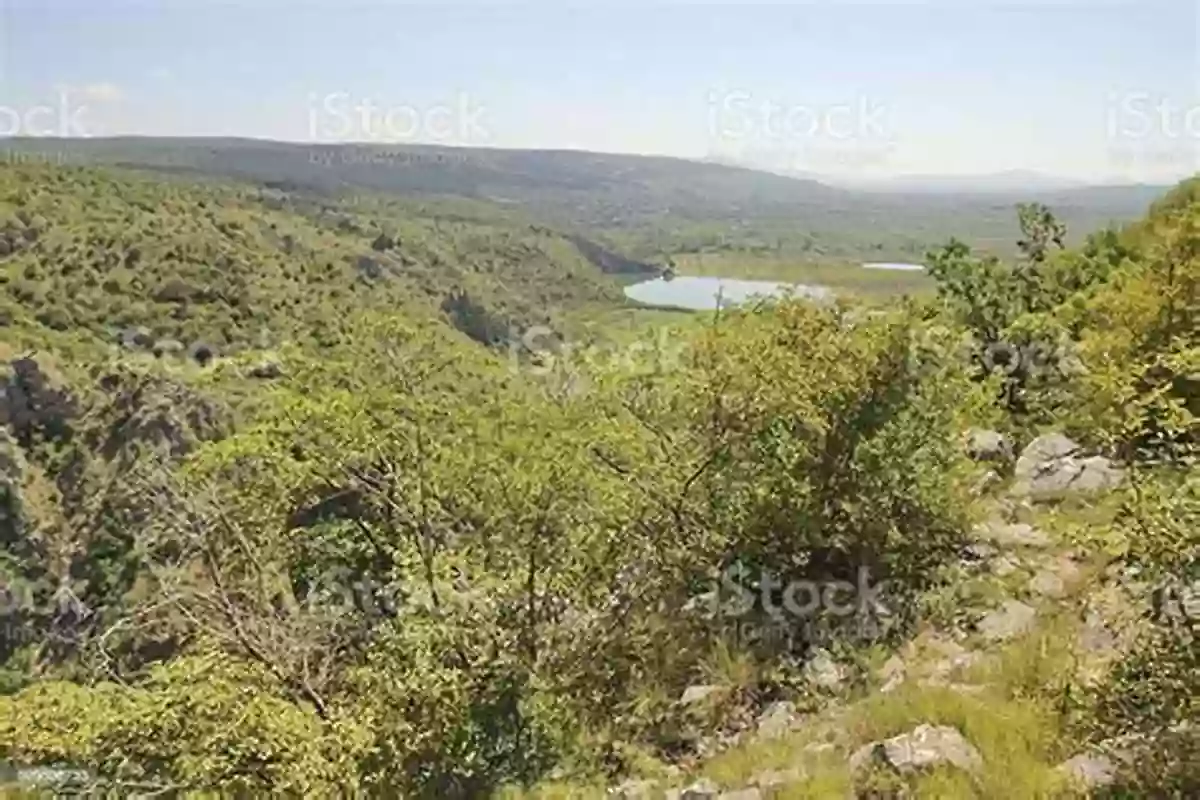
(700, 294)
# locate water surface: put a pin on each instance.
(700, 293)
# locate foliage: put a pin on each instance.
(366, 554)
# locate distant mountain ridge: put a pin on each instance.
(1005, 182)
(642, 206)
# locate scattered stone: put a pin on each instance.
(633, 790)
(777, 720)
(1053, 464)
(749, 793)
(823, 671)
(958, 661)
(776, 779)
(892, 673)
(1011, 535)
(987, 481)
(981, 551)
(167, 347)
(1091, 770)
(924, 746)
(137, 338)
(1096, 637)
(267, 370)
(961, 688)
(698, 694)
(984, 445)
(1048, 584)
(1012, 618)
(704, 605)
(202, 353)
(1004, 566)
(703, 789)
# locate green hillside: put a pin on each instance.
(641, 205)
(284, 510)
(90, 253)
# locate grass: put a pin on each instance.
(1023, 720)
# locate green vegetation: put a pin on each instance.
(644, 207)
(361, 542)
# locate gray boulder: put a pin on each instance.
(1011, 619)
(634, 790)
(777, 720)
(749, 793)
(698, 694)
(167, 347)
(925, 746)
(1004, 534)
(703, 789)
(1090, 770)
(266, 370)
(892, 673)
(1048, 584)
(1053, 465)
(137, 338)
(822, 671)
(989, 446)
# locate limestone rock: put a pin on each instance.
(775, 779)
(822, 671)
(1090, 770)
(1011, 535)
(1048, 584)
(749, 793)
(1013, 618)
(633, 790)
(892, 673)
(924, 746)
(777, 720)
(266, 370)
(1053, 465)
(1004, 566)
(703, 789)
(991, 446)
(697, 694)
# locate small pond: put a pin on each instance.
(701, 293)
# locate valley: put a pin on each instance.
(397, 471)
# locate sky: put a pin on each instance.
(1092, 90)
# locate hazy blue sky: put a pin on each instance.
(1071, 88)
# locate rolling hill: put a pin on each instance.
(644, 206)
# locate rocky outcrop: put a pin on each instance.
(268, 369)
(146, 411)
(924, 747)
(1004, 534)
(777, 720)
(989, 446)
(32, 407)
(698, 694)
(823, 672)
(1090, 770)
(1011, 619)
(1054, 465)
(607, 261)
